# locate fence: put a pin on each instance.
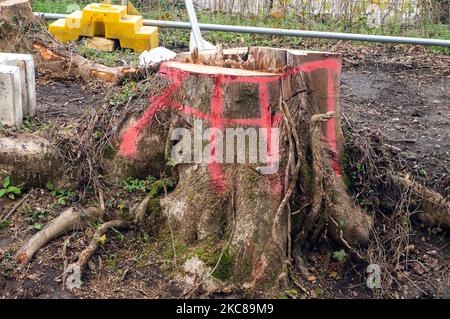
(422, 17)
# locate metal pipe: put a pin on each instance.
(194, 23)
(281, 32)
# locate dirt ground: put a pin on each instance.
(408, 104)
(411, 108)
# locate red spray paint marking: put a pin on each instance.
(331, 133)
(215, 170)
(128, 147)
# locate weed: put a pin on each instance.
(340, 255)
(5, 223)
(61, 196)
(135, 185)
(9, 190)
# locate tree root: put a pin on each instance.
(435, 209)
(140, 210)
(70, 220)
(75, 270)
(289, 187)
(318, 177)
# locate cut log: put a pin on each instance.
(12, 11)
(102, 44)
(59, 64)
(29, 161)
(296, 168)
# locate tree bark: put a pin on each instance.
(12, 11)
(14, 16)
(59, 64)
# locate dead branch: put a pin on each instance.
(86, 254)
(435, 209)
(76, 65)
(70, 220)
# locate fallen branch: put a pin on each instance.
(76, 269)
(435, 209)
(69, 220)
(16, 206)
(76, 65)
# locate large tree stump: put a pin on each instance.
(15, 15)
(12, 11)
(271, 206)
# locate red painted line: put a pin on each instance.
(215, 169)
(331, 132)
(128, 147)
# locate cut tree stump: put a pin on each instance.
(265, 215)
(12, 11)
(15, 15)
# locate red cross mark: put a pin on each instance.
(128, 146)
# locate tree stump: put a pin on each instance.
(13, 11)
(14, 16)
(289, 190)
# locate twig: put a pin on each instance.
(16, 206)
(64, 256)
(90, 250)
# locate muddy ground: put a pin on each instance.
(409, 104)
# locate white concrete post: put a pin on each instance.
(26, 64)
(11, 108)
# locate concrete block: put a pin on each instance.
(11, 107)
(26, 64)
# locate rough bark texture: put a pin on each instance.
(59, 64)
(28, 160)
(149, 159)
(214, 201)
(14, 16)
(12, 11)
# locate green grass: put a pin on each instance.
(118, 57)
(59, 6)
(176, 38)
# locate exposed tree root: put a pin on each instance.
(434, 208)
(76, 269)
(70, 220)
(141, 210)
(289, 187)
(313, 217)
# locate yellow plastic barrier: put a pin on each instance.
(109, 21)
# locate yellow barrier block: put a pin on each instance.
(109, 21)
